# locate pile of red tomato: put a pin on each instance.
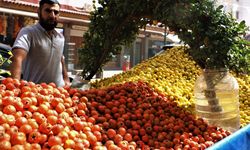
(126, 116)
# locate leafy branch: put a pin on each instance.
(214, 37)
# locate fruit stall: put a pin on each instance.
(149, 106)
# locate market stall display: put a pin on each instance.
(125, 116)
(174, 72)
(150, 106)
(130, 110)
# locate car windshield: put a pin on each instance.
(5, 50)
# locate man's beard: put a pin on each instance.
(47, 24)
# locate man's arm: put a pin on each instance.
(16, 65)
(64, 72)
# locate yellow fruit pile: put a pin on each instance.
(174, 73)
(244, 97)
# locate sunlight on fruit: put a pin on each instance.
(174, 73)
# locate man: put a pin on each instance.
(38, 49)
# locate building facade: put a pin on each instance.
(74, 23)
(243, 10)
(240, 9)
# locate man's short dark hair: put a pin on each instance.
(48, 2)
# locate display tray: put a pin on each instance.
(240, 140)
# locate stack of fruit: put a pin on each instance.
(174, 73)
(125, 116)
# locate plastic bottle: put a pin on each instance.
(216, 94)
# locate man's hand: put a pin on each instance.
(67, 82)
(65, 73)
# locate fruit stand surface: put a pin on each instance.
(238, 140)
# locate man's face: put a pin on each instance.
(48, 16)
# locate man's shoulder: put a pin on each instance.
(29, 28)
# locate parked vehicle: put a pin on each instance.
(5, 55)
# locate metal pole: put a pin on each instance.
(165, 34)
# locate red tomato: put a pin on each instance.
(123, 144)
(86, 143)
(79, 146)
(118, 138)
(11, 120)
(43, 109)
(18, 105)
(34, 137)
(55, 101)
(122, 131)
(79, 125)
(10, 86)
(2, 87)
(2, 129)
(98, 135)
(12, 130)
(57, 147)
(57, 128)
(43, 138)
(52, 113)
(40, 118)
(52, 119)
(52, 84)
(26, 102)
(8, 100)
(3, 119)
(18, 138)
(60, 108)
(9, 109)
(45, 128)
(25, 128)
(7, 80)
(23, 83)
(20, 121)
(128, 137)
(27, 114)
(4, 137)
(28, 94)
(18, 147)
(69, 143)
(35, 146)
(95, 128)
(54, 140)
(25, 89)
(111, 133)
(63, 135)
(5, 145)
(6, 126)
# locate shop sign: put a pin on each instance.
(77, 27)
(141, 35)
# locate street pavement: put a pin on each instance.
(106, 74)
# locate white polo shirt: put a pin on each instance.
(43, 61)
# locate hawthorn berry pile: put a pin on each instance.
(126, 116)
(174, 73)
